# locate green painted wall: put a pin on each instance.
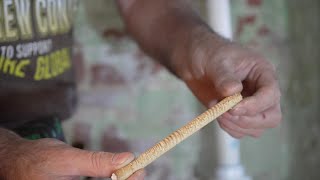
(303, 89)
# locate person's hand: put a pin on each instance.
(49, 159)
(219, 69)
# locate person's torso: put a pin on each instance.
(36, 74)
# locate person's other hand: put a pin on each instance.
(217, 71)
(50, 159)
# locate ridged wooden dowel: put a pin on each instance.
(176, 137)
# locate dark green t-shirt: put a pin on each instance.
(36, 74)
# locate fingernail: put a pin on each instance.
(122, 158)
(238, 111)
(212, 103)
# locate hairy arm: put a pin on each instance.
(167, 30)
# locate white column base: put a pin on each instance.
(231, 172)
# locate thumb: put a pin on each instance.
(100, 164)
(226, 83)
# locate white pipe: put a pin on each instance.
(228, 149)
(219, 17)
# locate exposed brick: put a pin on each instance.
(111, 142)
(254, 2)
(105, 74)
(243, 21)
(79, 66)
(263, 31)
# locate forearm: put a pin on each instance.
(168, 30)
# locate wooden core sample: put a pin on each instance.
(176, 137)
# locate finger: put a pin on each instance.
(208, 96)
(266, 95)
(267, 119)
(225, 81)
(139, 175)
(235, 128)
(231, 132)
(99, 164)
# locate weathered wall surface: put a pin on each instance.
(303, 90)
(127, 102)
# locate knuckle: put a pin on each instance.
(223, 122)
(223, 127)
(256, 135)
(252, 110)
(227, 129)
(96, 159)
(199, 58)
(268, 64)
(235, 135)
(244, 123)
(231, 132)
